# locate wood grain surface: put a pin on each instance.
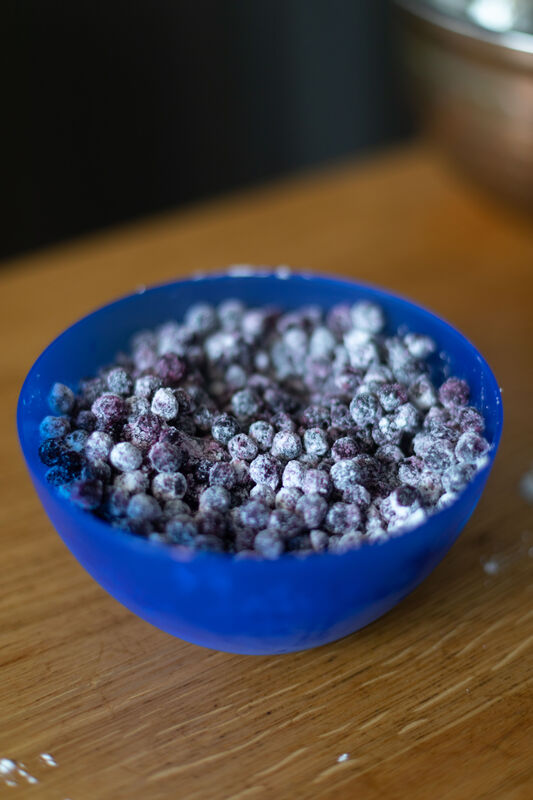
(432, 701)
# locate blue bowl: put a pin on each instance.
(254, 607)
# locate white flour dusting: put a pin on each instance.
(343, 757)
(48, 759)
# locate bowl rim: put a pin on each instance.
(513, 40)
(180, 553)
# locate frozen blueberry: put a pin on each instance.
(387, 431)
(471, 448)
(61, 399)
(343, 518)
(170, 368)
(266, 469)
(224, 427)
(422, 393)
(361, 353)
(400, 504)
(119, 381)
(367, 316)
(164, 404)
(264, 494)
(72, 462)
(201, 318)
(285, 522)
(223, 474)
(175, 506)
(282, 421)
(316, 416)
(230, 313)
(367, 469)
(109, 409)
(313, 509)
(341, 417)
(288, 498)
(391, 396)
(50, 451)
(215, 498)
(430, 487)
(97, 470)
(293, 475)
(439, 455)
(165, 457)
(419, 345)
(344, 448)
(406, 418)
(144, 358)
(235, 377)
(319, 540)
(411, 469)
(169, 486)
(268, 544)
(57, 475)
(116, 502)
(316, 481)
(147, 385)
(286, 445)
(347, 382)
(245, 404)
(315, 441)
(348, 541)
(262, 433)
(144, 431)
(469, 419)
(98, 446)
(365, 409)
(344, 473)
(454, 392)
(358, 495)
(86, 494)
(457, 477)
(203, 418)
(181, 529)
(135, 406)
(389, 454)
(133, 482)
(322, 343)
(125, 457)
(253, 516)
(143, 507)
(86, 421)
(242, 447)
(242, 473)
(54, 427)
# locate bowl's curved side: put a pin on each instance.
(257, 607)
(213, 600)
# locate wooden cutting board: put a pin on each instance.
(432, 701)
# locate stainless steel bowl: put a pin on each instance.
(470, 68)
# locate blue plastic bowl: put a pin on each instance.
(255, 607)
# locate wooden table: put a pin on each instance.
(433, 700)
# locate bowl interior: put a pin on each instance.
(95, 339)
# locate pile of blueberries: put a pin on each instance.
(258, 432)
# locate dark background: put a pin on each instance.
(114, 110)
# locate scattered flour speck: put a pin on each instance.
(48, 759)
(526, 486)
(11, 783)
(491, 566)
(343, 757)
(7, 765)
